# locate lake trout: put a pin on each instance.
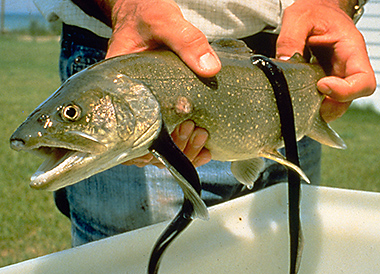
(112, 111)
(126, 106)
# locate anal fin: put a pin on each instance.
(200, 209)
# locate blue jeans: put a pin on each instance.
(124, 198)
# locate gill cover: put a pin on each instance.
(142, 110)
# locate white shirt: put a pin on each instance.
(215, 18)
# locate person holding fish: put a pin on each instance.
(138, 194)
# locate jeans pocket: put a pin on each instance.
(81, 58)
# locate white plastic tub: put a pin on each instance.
(247, 235)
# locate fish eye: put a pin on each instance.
(70, 113)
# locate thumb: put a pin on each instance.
(192, 46)
(187, 41)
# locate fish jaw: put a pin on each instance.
(65, 166)
(57, 162)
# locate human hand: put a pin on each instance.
(323, 23)
(189, 139)
(140, 25)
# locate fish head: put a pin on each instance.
(97, 119)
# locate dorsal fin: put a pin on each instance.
(297, 58)
(231, 46)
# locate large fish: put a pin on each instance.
(113, 111)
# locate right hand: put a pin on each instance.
(140, 25)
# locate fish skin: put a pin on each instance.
(123, 100)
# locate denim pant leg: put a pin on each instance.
(124, 198)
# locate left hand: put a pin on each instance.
(323, 23)
(189, 139)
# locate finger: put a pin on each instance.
(331, 109)
(140, 161)
(196, 142)
(349, 88)
(203, 157)
(193, 48)
(182, 134)
(290, 39)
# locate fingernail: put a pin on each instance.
(284, 58)
(185, 130)
(325, 89)
(201, 160)
(199, 140)
(208, 62)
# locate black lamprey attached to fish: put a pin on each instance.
(285, 109)
(164, 149)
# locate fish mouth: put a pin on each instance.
(57, 161)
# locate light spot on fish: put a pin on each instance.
(48, 123)
(183, 105)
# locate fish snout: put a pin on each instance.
(17, 144)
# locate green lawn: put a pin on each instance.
(31, 225)
(357, 167)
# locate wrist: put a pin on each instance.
(353, 8)
(358, 10)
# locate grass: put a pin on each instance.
(358, 166)
(31, 225)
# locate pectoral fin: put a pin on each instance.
(164, 149)
(277, 157)
(324, 134)
(200, 209)
(247, 171)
